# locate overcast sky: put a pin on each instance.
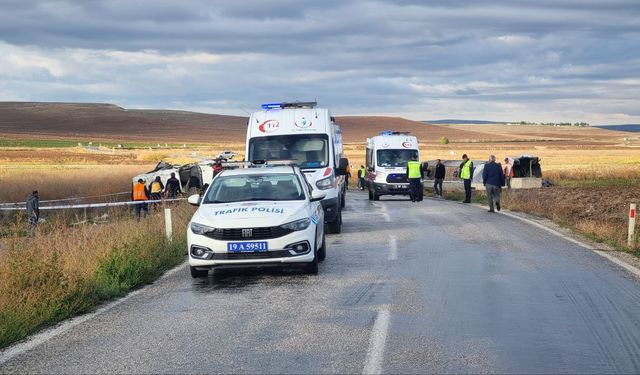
(538, 60)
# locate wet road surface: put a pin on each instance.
(406, 288)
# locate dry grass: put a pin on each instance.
(57, 183)
(64, 270)
(600, 213)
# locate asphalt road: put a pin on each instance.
(406, 288)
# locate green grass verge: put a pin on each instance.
(126, 267)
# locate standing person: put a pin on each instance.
(361, 173)
(173, 187)
(466, 174)
(33, 211)
(415, 173)
(217, 168)
(347, 175)
(193, 184)
(493, 180)
(156, 188)
(508, 173)
(141, 195)
(438, 176)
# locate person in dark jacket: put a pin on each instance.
(33, 211)
(438, 178)
(493, 180)
(173, 187)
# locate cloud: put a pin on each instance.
(513, 60)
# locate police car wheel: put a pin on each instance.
(336, 225)
(196, 273)
(322, 251)
(312, 267)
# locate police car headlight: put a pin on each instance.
(201, 229)
(325, 183)
(301, 224)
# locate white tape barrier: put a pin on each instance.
(66, 199)
(92, 205)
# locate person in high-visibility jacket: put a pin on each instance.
(156, 188)
(466, 174)
(361, 173)
(415, 173)
(140, 194)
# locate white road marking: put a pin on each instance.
(385, 214)
(393, 247)
(375, 354)
(44, 336)
(621, 263)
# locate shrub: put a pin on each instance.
(444, 140)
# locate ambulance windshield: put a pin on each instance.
(394, 158)
(310, 150)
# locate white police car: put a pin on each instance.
(265, 215)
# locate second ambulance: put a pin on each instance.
(386, 162)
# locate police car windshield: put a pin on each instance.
(309, 150)
(394, 158)
(255, 187)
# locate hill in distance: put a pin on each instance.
(90, 121)
(108, 122)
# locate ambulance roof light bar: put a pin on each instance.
(390, 132)
(283, 105)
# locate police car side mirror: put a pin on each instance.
(194, 199)
(317, 195)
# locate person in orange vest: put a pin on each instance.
(141, 195)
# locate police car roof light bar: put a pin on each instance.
(236, 164)
(281, 162)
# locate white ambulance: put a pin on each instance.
(386, 162)
(307, 134)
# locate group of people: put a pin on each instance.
(494, 177)
(155, 191)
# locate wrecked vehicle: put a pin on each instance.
(527, 172)
(191, 176)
